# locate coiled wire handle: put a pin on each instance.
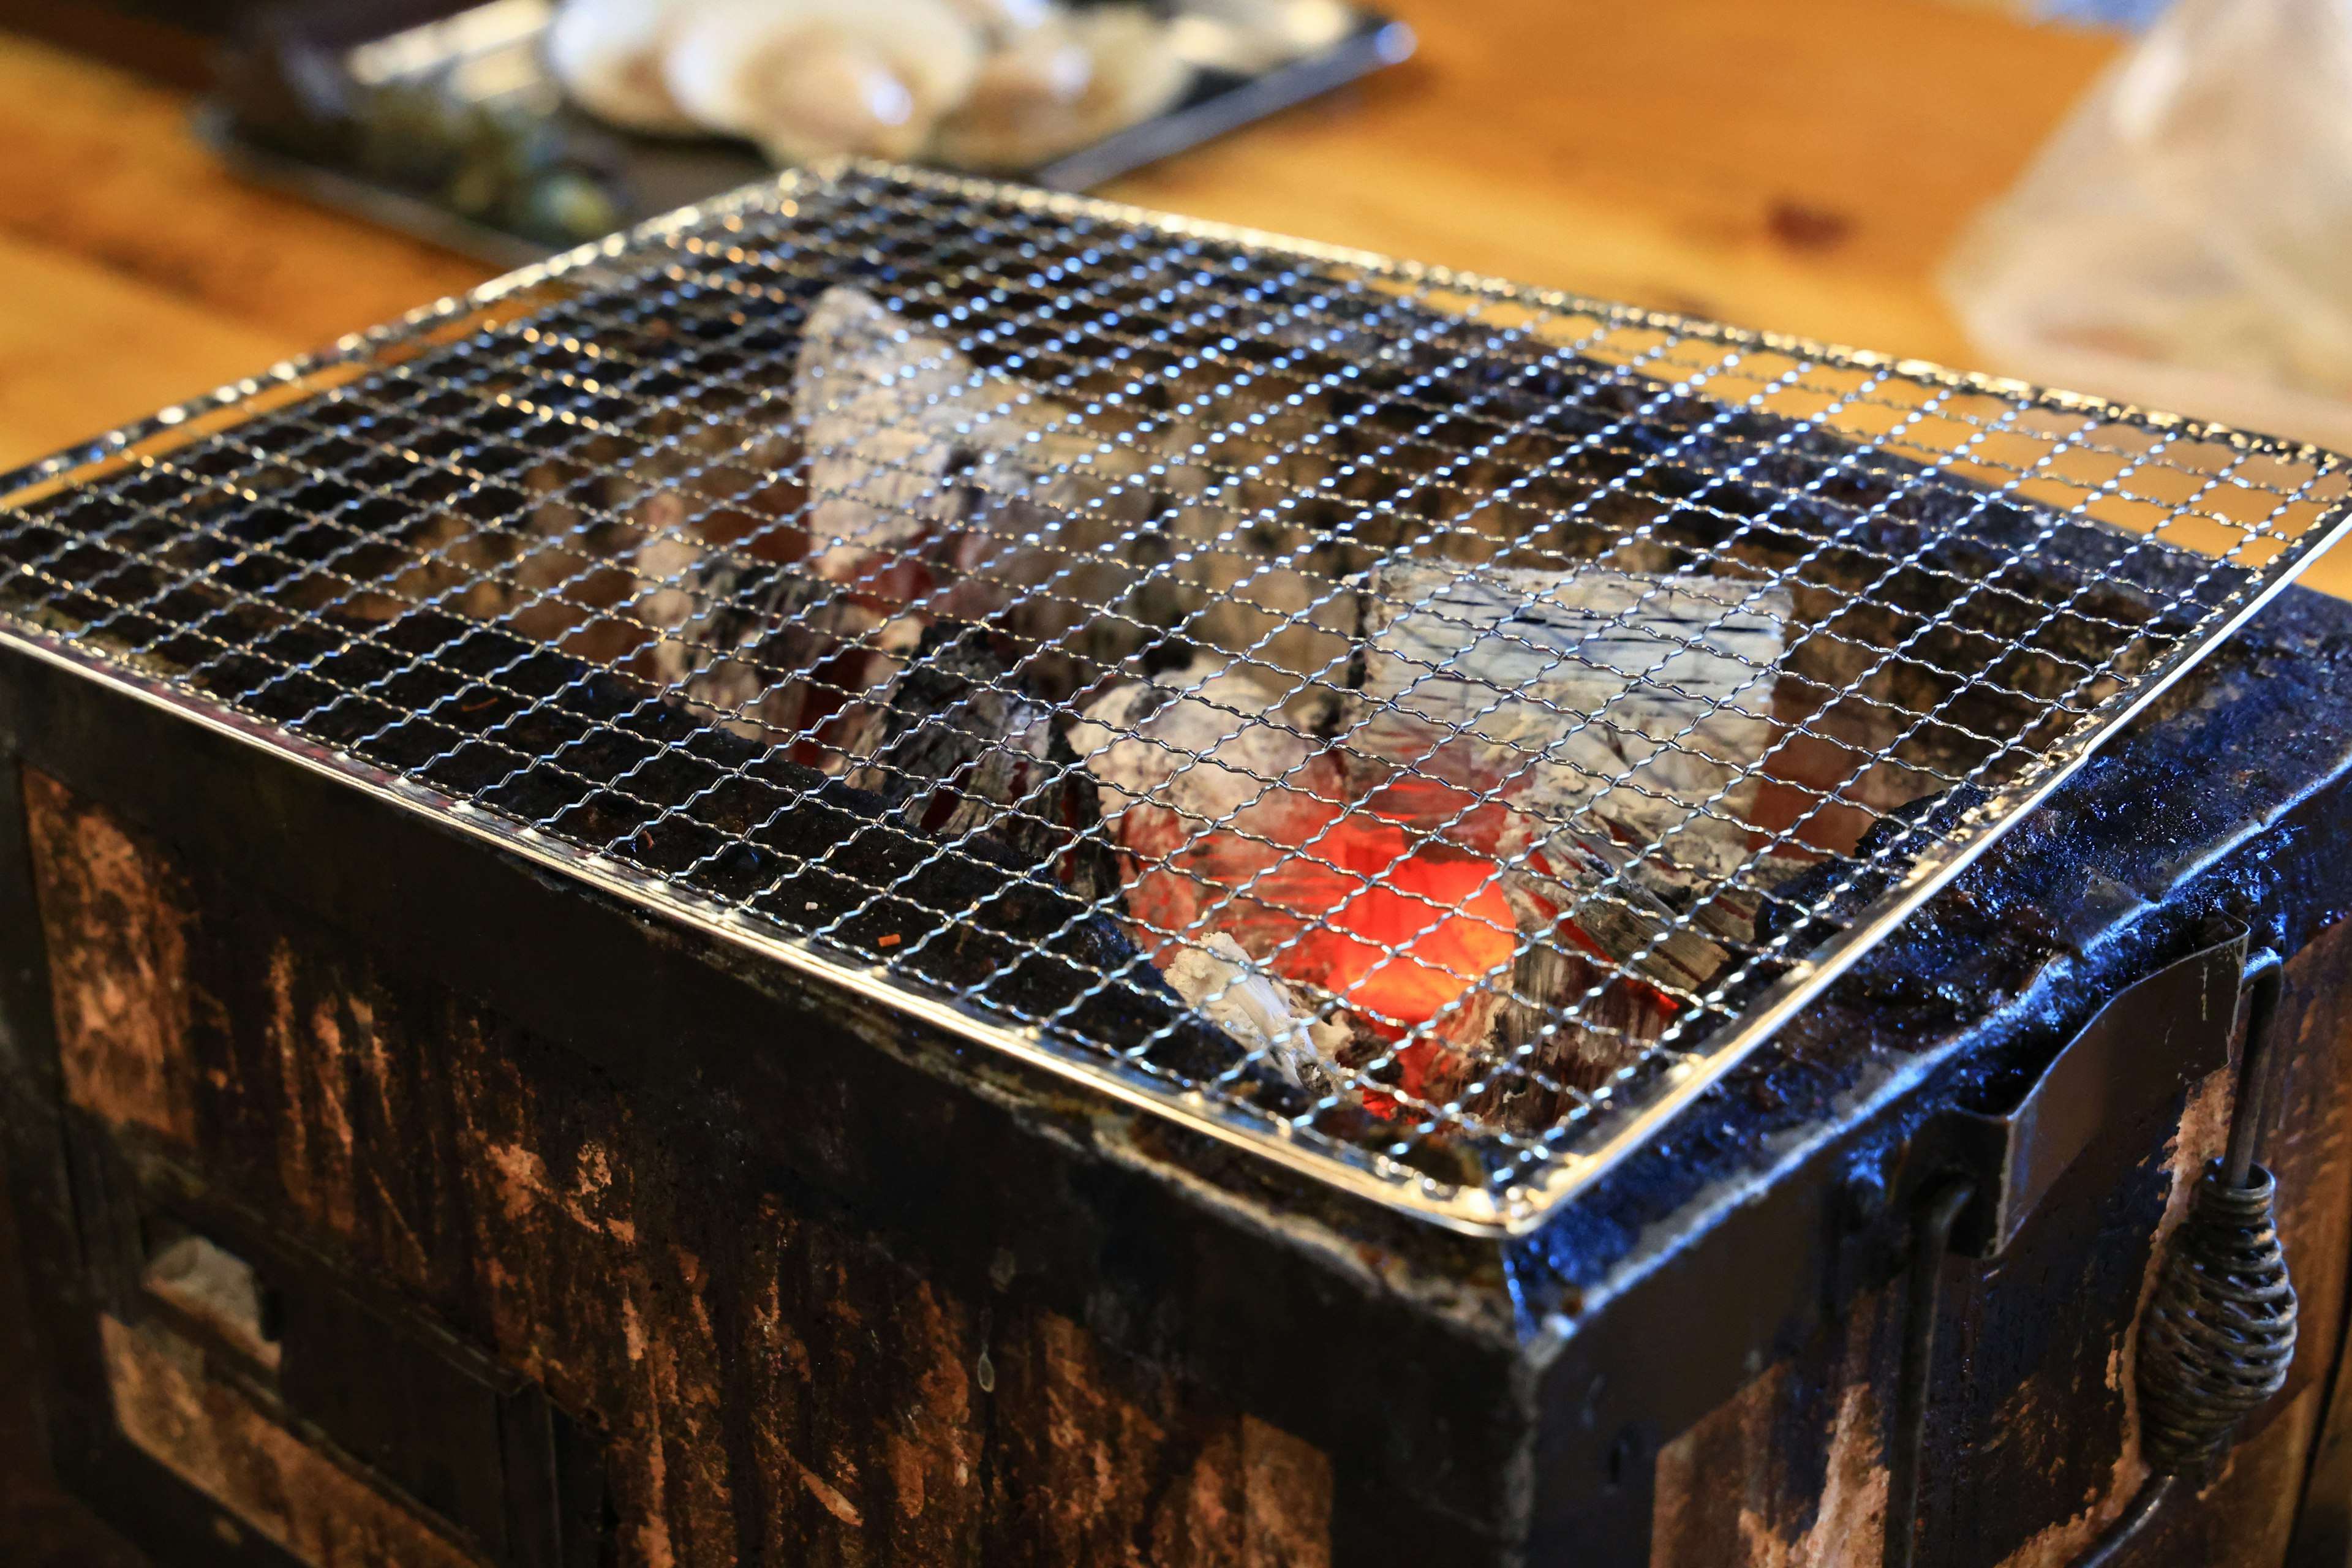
(2218, 1336)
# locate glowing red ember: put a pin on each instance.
(1410, 938)
(1234, 823)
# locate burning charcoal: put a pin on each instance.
(906, 438)
(1259, 1010)
(1550, 761)
(1593, 733)
(1633, 701)
(941, 485)
(909, 446)
(1234, 821)
(1205, 784)
(1570, 1015)
(1619, 919)
(1613, 1020)
(744, 629)
(937, 489)
(915, 451)
(1089, 864)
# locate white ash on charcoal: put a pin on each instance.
(908, 440)
(964, 493)
(1714, 910)
(1635, 702)
(1574, 1014)
(1540, 778)
(937, 489)
(1260, 1010)
(907, 449)
(1206, 784)
(768, 652)
(1515, 868)
(1583, 882)
(1595, 732)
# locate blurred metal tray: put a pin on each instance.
(273, 118)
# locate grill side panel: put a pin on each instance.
(2033, 1448)
(626, 1200)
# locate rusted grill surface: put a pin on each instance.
(1421, 728)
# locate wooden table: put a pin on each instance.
(1796, 164)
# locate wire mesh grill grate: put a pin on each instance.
(1424, 730)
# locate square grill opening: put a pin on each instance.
(1421, 728)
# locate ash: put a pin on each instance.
(1638, 703)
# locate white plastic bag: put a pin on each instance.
(2184, 241)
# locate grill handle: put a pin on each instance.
(2216, 1339)
(2258, 1073)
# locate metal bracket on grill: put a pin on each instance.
(2218, 1340)
(2165, 1032)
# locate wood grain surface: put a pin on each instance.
(1795, 165)
(1801, 165)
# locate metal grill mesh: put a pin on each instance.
(1421, 728)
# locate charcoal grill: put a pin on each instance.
(1296, 747)
(552, 562)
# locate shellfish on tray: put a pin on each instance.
(977, 84)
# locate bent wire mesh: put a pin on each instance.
(1422, 730)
